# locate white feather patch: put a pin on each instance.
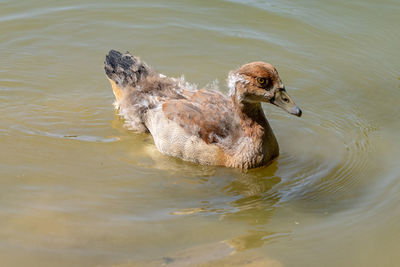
(233, 78)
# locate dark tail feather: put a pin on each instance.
(125, 69)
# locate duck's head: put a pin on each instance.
(259, 82)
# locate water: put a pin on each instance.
(78, 189)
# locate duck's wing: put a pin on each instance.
(206, 114)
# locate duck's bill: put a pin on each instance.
(283, 100)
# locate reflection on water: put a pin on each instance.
(79, 189)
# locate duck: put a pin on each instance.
(203, 126)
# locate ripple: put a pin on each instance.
(339, 167)
(84, 138)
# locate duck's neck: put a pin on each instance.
(256, 127)
(252, 117)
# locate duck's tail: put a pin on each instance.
(125, 69)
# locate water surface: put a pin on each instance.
(78, 189)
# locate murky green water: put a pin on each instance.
(77, 189)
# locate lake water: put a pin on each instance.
(78, 189)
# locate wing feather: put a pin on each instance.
(207, 114)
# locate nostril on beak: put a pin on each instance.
(296, 111)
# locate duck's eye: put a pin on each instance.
(261, 80)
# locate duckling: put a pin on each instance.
(201, 126)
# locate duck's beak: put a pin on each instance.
(283, 100)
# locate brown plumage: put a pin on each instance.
(201, 126)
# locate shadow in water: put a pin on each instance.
(255, 198)
(250, 205)
(254, 206)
